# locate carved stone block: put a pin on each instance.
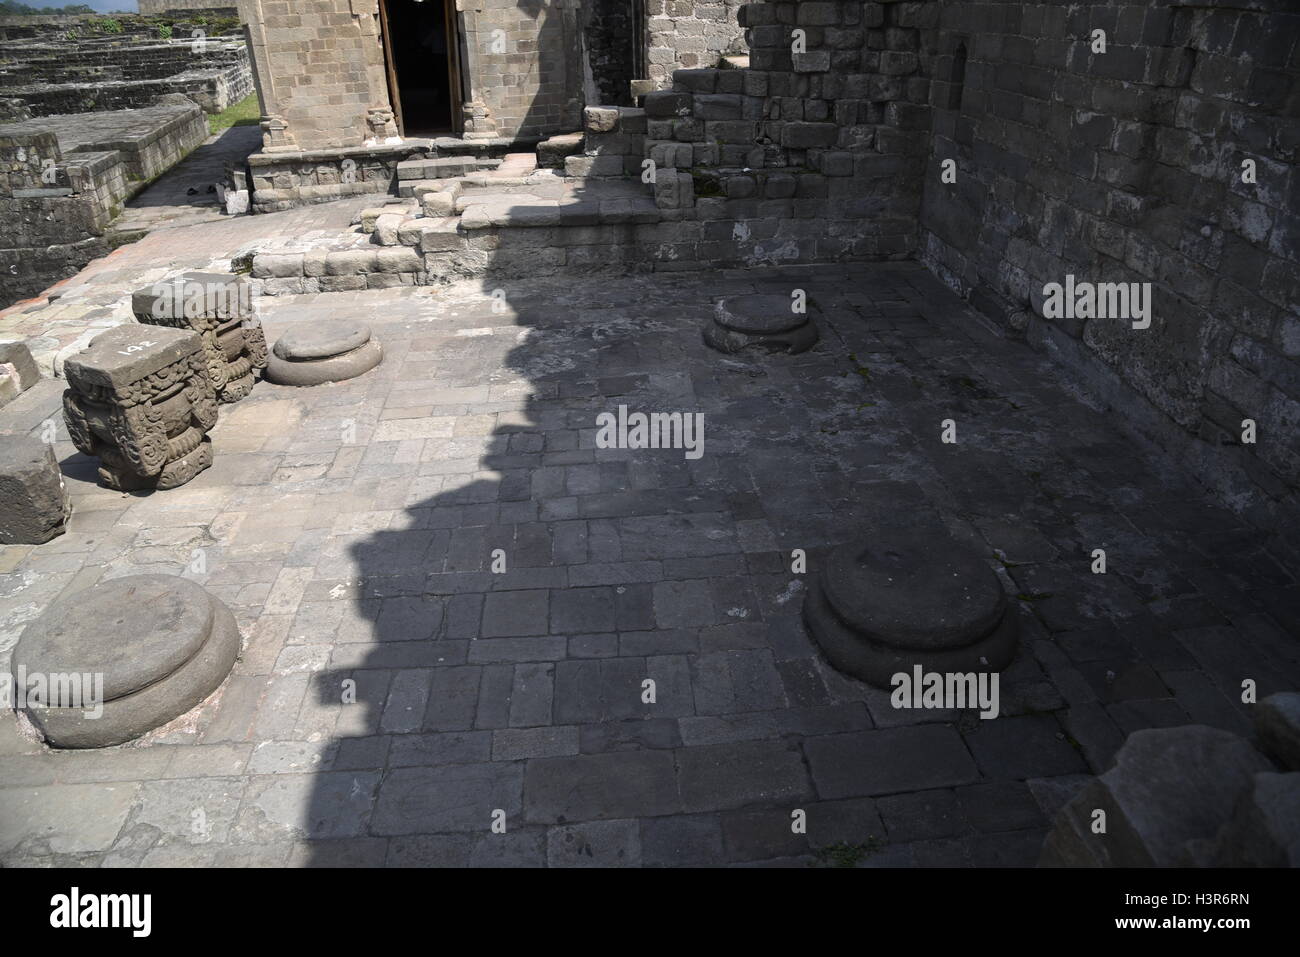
(141, 401)
(219, 307)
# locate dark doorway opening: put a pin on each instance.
(423, 65)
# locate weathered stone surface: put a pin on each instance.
(876, 663)
(762, 322)
(727, 340)
(147, 626)
(1265, 826)
(552, 152)
(127, 354)
(1265, 831)
(156, 646)
(321, 340)
(36, 503)
(600, 119)
(1277, 722)
(323, 352)
(1170, 791)
(663, 103)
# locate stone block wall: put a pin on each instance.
(125, 79)
(55, 208)
(525, 65)
(690, 34)
(319, 67)
(806, 156)
(286, 180)
(1128, 166)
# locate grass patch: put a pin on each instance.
(844, 854)
(244, 113)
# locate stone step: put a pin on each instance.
(443, 167)
(601, 167)
(433, 234)
(368, 217)
(552, 152)
(387, 227)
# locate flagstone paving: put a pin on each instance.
(396, 695)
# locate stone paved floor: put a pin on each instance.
(351, 528)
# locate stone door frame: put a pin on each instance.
(454, 28)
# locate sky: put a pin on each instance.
(104, 6)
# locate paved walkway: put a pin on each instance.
(180, 197)
(351, 528)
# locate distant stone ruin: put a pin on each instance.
(54, 65)
(92, 109)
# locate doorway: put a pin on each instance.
(422, 50)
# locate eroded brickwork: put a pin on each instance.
(690, 34)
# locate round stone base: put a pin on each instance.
(876, 664)
(913, 589)
(758, 315)
(338, 368)
(147, 648)
(731, 341)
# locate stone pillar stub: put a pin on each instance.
(902, 599)
(760, 322)
(146, 648)
(330, 351)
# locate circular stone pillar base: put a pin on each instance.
(331, 351)
(136, 653)
(766, 323)
(900, 601)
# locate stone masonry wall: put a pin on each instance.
(689, 34)
(57, 205)
(157, 7)
(525, 64)
(55, 208)
(1127, 166)
(319, 66)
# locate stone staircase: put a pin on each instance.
(453, 216)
